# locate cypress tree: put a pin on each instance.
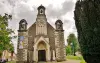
(87, 20)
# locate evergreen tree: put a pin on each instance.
(87, 20)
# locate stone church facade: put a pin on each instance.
(40, 42)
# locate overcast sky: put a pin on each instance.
(27, 9)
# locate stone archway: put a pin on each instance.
(42, 45)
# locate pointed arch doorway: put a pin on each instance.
(41, 50)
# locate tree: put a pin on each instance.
(73, 42)
(5, 38)
(68, 50)
(87, 20)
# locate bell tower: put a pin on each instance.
(41, 10)
(59, 41)
(41, 21)
(22, 46)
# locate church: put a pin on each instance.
(41, 41)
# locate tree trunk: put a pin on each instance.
(87, 20)
(0, 54)
(12, 52)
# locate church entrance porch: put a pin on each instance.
(41, 51)
(41, 55)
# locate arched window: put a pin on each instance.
(41, 11)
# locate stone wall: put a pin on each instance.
(60, 46)
(22, 52)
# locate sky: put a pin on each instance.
(27, 9)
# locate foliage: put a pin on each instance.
(5, 38)
(82, 61)
(73, 43)
(68, 50)
(87, 20)
(71, 38)
(0, 54)
(11, 48)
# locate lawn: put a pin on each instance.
(11, 62)
(82, 61)
(68, 57)
(71, 57)
(74, 57)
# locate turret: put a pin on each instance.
(59, 25)
(59, 41)
(22, 46)
(41, 10)
(41, 21)
(22, 25)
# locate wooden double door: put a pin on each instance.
(41, 55)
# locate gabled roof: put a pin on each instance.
(48, 24)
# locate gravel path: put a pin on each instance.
(68, 61)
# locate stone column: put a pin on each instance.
(35, 58)
(53, 55)
(48, 54)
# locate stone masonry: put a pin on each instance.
(41, 41)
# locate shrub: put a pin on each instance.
(82, 61)
(68, 50)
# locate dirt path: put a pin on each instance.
(68, 61)
(71, 61)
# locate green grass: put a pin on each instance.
(71, 57)
(82, 61)
(11, 62)
(68, 57)
(74, 57)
